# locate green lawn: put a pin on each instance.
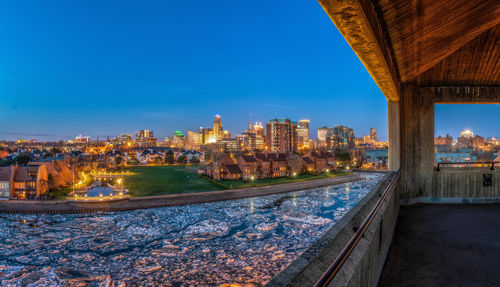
(271, 181)
(155, 180)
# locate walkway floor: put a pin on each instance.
(445, 245)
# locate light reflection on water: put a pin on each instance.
(245, 241)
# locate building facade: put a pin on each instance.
(303, 133)
(281, 135)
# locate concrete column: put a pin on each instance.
(417, 141)
(394, 135)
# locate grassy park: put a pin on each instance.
(156, 180)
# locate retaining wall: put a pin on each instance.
(460, 185)
(365, 264)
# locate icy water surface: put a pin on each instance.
(246, 241)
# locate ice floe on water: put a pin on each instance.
(244, 242)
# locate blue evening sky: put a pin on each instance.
(102, 68)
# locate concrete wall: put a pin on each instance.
(365, 264)
(416, 142)
(461, 185)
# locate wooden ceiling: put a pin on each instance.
(422, 42)
(476, 63)
(424, 32)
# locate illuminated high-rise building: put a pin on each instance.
(322, 135)
(465, 141)
(179, 139)
(281, 135)
(340, 137)
(467, 134)
(217, 128)
(143, 134)
(303, 133)
(145, 138)
(373, 135)
(193, 140)
(258, 129)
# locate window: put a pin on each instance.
(466, 133)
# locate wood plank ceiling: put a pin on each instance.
(445, 42)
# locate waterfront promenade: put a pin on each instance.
(23, 206)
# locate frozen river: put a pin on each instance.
(246, 241)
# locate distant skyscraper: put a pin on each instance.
(259, 129)
(218, 130)
(193, 140)
(447, 140)
(465, 141)
(373, 135)
(168, 141)
(467, 134)
(340, 137)
(143, 134)
(281, 135)
(179, 139)
(145, 138)
(124, 139)
(322, 134)
(81, 139)
(303, 132)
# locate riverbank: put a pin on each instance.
(33, 207)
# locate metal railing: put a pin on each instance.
(490, 164)
(334, 268)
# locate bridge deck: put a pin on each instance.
(445, 245)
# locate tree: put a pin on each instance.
(169, 159)
(118, 160)
(342, 156)
(295, 163)
(55, 151)
(50, 179)
(194, 160)
(217, 164)
(182, 159)
(158, 159)
(22, 158)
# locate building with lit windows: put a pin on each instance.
(23, 182)
(303, 133)
(281, 135)
(340, 137)
(193, 140)
(373, 135)
(145, 138)
(217, 128)
(179, 139)
(465, 141)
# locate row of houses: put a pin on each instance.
(153, 155)
(115, 158)
(23, 182)
(269, 165)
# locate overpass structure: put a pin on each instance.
(420, 53)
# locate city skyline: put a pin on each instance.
(100, 69)
(171, 66)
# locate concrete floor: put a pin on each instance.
(445, 245)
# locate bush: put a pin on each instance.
(194, 160)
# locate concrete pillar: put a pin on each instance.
(417, 141)
(394, 135)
